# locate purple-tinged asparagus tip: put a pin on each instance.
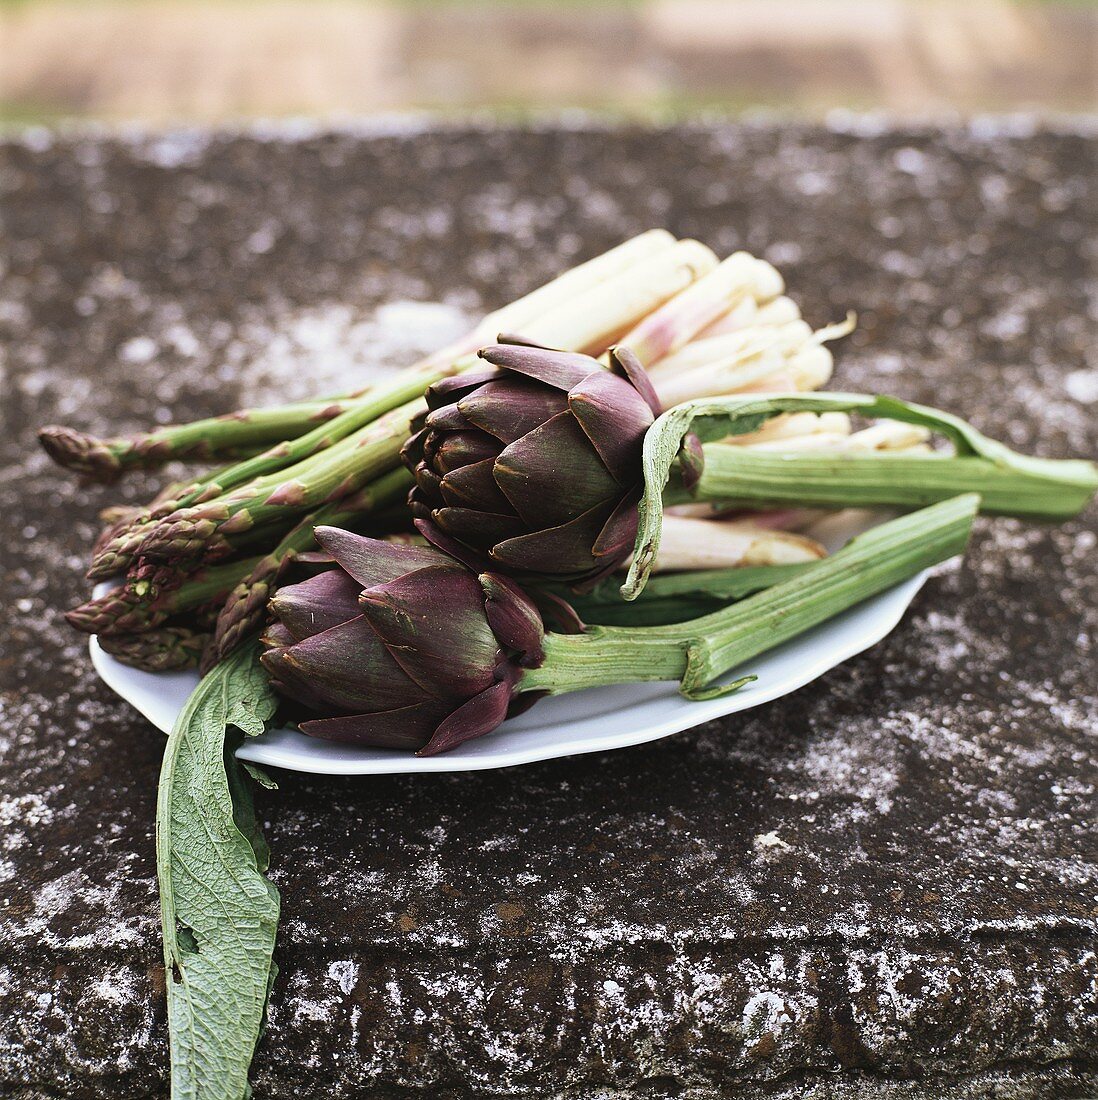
(80, 452)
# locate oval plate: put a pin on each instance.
(565, 725)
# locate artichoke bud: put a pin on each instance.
(400, 646)
(533, 465)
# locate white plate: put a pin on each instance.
(566, 725)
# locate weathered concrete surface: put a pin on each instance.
(883, 885)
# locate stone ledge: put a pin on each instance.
(601, 925)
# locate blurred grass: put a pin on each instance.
(18, 113)
(473, 4)
(215, 61)
(424, 4)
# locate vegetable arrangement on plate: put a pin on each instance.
(406, 565)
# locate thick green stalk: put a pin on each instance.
(675, 597)
(205, 531)
(698, 651)
(245, 608)
(1015, 484)
(1044, 489)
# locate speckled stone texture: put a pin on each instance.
(881, 886)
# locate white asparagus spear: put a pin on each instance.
(818, 441)
(569, 286)
(890, 435)
(615, 305)
(779, 361)
(720, 544)
(809, 369)
(781, 381)
(739, 277)
(787, 330)
(790, 425)
(703, 369)
(732, 348)
(695, 369)
(749, 312)
(566, 295)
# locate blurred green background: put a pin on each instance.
(173, 61)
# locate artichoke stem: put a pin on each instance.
(698, 651)
(1044, 489)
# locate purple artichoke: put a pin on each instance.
(535, 461)
(401, 646)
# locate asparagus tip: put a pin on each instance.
(80, 452)
(83, 618)
(163, 650)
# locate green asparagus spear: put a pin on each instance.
(116, 546)
(151, 595)
(205, 532)
(581, 310)
(246, 606)
(164, 650)
(240, 433)
(382, 399)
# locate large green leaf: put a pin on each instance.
(219, 913)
